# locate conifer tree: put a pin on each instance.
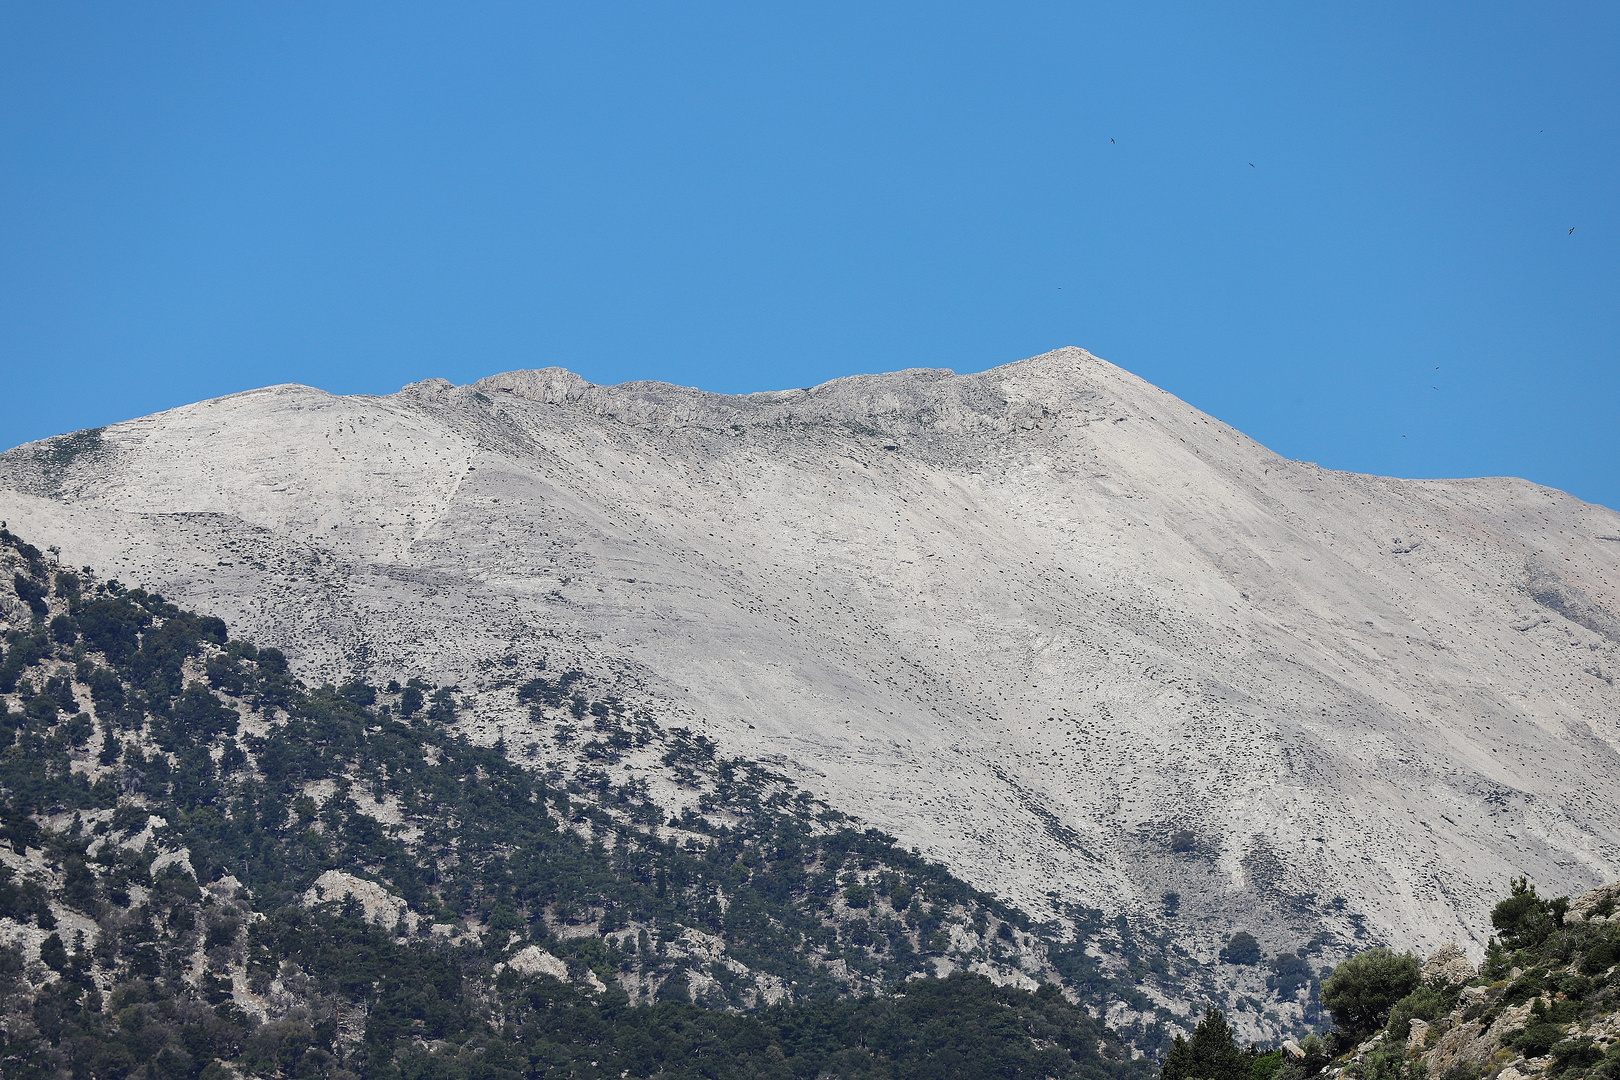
(1211, 1054)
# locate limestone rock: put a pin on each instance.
(381, 907)
(1469, 1044)
(180, 858)
(533, 960)
(1583, 907)
(1448, 966)
(1462, 1043)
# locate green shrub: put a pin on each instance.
(67, 584)
(1537, 1038)
(359, 693)
(52, 953)
(64, 630)
(1266, 1066)
(410, 702)
(1601, 956)
(1532, 984)
(1524, 920)
(1363, 990)
(442, 706)
(1575, 1054)
(1288, 975)
(1388, 1061)
(1424, 1003)
(1241, 949)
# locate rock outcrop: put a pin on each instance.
(1599, 905)
(1448, 966)
(533, 960)
(381, 908)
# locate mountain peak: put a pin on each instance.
(910, 401)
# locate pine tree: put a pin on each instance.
(1211, 1054)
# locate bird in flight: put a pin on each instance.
(1251, 164)
(1572, 231)
(1112, 141)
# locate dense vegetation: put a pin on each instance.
(1212, 1053)
(164, 836)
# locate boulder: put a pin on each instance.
(1469, 1045)
(533, 960)
(1448, 967)
(1460, 1045)
(1582, 908)
(381, 908)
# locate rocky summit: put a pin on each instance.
(1047, 624)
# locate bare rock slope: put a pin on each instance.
(1047, 623)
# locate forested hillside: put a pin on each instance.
(211, 869)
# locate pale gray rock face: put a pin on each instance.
(1448, 966)
(1046, 623)
(1597, 905)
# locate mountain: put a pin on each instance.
(1047, 625)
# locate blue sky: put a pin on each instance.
(1341, 228)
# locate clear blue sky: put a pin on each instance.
(199, 199)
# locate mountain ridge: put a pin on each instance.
(1040, 646)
